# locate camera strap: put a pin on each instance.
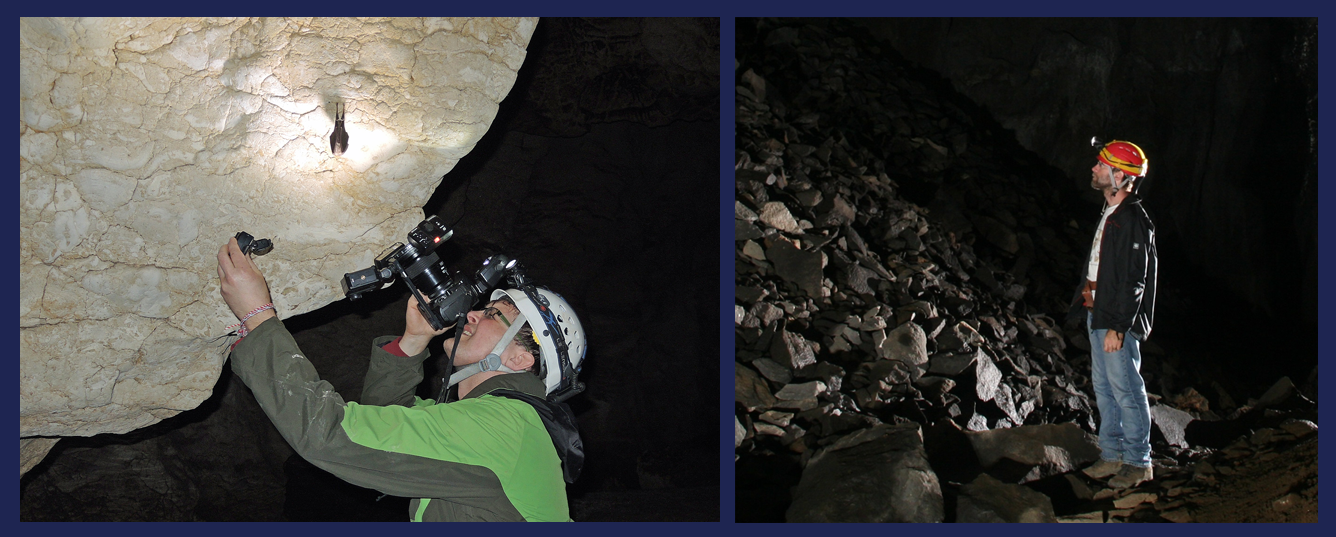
(450, 364)
(493, 360)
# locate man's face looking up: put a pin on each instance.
(1101, 176)
(484, 327)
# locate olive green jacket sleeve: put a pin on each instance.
(479, 459)
(390, 379)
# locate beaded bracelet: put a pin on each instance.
(242, 331)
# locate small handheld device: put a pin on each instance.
(250, 245)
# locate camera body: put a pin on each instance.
(441, 297)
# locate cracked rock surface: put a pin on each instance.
(147, 143)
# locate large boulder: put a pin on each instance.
(146, 143)
(879, 474)
(988, 500)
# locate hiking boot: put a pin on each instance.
(1131, 476)
(1102, 469)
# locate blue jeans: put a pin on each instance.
(1120, 394)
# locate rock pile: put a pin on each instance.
(900, 263)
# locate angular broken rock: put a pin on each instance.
(791, 349)
(743, 230)
(741, 212)
(935, 387)
(879, 474)
(776, 215)
(1277, 393)
(858, 277)
(739, 433)
(806, 390)
(1134, 499)
(837, 212)
(773, 371)
(1172, 423)
(889, 372)
(753, 250)
(196, 129)
(1299, 428)
(777, 418)
(953, 364)
(988, 500)
(1036, 451)
(767, 313)
(986, 376)
(908, 344)
(800, 267)
(750, 390)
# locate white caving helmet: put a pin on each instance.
(555, 326)
(557, 333)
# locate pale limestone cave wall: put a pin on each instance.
(146, 143)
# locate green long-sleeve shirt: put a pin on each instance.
(483, 458)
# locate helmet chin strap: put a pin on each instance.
(493, 360)
(1118, 185)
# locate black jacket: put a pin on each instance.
(1125, 288)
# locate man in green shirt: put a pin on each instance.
(490, 456)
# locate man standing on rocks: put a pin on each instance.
(1118, 294)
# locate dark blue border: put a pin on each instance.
(727, 140)
(1050, 8)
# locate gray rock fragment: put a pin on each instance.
(952, 365)
(753, 250)
(1299, 428)
(809, 198)
(800, 267)
(750, 390)
(908, 344)
(858, 277)
(743, 230)
(987, 377)
(741, 212)
(1278, 392)
(776, 215)
(791, 349)
(806, 390)
(837, 212)
(773, 371)
(777, 418)
(749, 294)
(1172, 423)
(1046, 449)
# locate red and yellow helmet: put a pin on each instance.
(1125, 156)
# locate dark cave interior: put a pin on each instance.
(1225, 108)
(598, 174)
